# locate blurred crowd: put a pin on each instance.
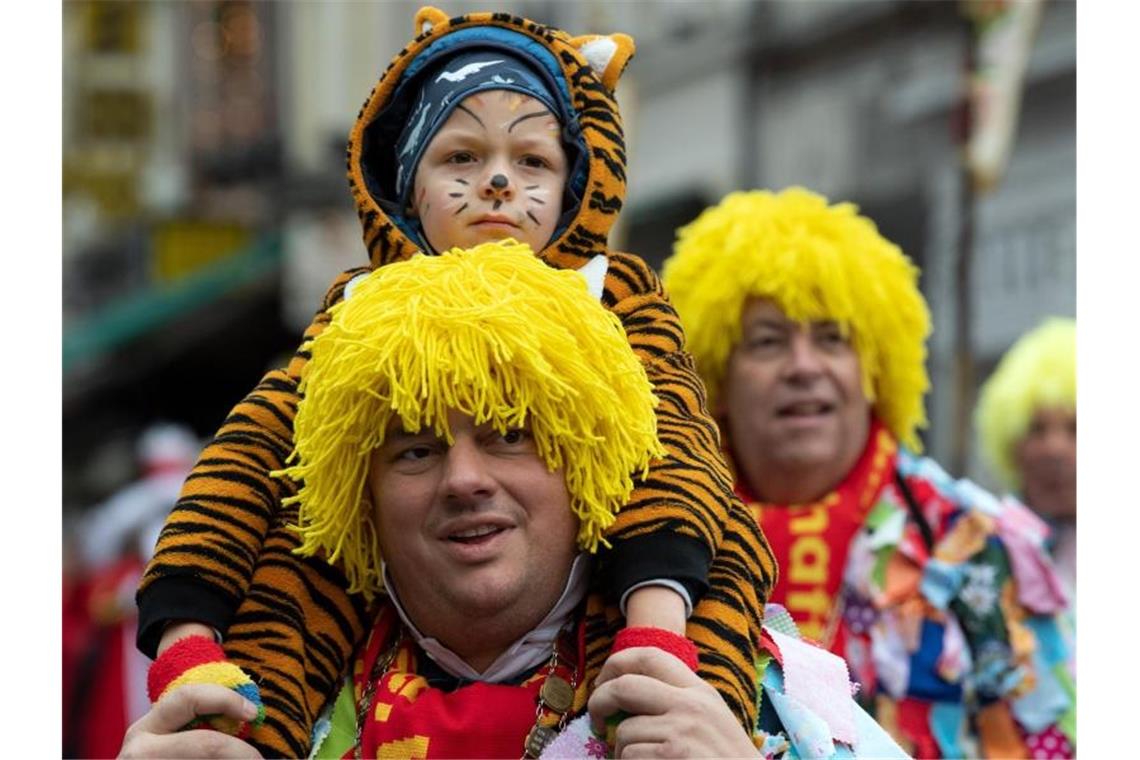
(105, 551)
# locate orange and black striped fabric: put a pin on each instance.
(294, 628)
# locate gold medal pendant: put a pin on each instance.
(557, 694)
(537, 739)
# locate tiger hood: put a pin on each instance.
(583, 73)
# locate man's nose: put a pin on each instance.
(467, 479)
(804, 360)
(1058, 441)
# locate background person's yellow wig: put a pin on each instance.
(1038, 371)
(816, 262)
(494, 333)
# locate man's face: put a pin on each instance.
(495, 169)
(794, 403)
(1047, 460)
(477, 530)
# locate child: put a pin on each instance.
(484, 127)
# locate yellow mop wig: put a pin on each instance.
(1038, 371)
(816, 262)
(494, 333)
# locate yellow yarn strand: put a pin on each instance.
(815, 262)
(1038, 371)
(495, 334)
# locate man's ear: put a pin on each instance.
(427, 18)
(608, 55)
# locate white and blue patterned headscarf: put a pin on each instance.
(445, 87)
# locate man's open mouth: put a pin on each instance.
(805, 409)
(475, 535)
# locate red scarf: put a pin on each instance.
(811, 541)
(411, 719)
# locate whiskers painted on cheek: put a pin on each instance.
(534, 218)
(536, 200)
(458, 210)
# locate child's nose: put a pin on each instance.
(498, 185)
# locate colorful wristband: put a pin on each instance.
(673, 643)
(198, 659)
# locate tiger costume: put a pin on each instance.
(225, 556)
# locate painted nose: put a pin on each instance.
(498, 187)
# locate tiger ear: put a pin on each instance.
(427, 18)
(607, 54)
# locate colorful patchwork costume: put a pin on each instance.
(940, 597)
(227, 543)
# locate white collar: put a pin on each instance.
(527, 652)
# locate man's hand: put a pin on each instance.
(672, 712)
(156, 734)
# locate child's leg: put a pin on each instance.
(295, 633)
(206, 551)
(725, 624)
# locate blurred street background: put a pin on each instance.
(205, 208)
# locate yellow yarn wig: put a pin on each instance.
(493, 333)
(815, 262)
(1038, 371)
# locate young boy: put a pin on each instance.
(486, 126)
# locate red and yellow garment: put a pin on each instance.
(409, 718)
(811, 541)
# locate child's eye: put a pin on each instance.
(535, 162)
(461, 157)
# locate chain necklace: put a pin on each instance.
(368, 693)
(555, 698)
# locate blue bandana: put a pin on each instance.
(445, 87)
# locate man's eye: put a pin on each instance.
(515, 436)
(831, 338)
(763, 341)
(415, 453)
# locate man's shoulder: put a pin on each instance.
(1004, 518)
(630, 273)
(961, 493)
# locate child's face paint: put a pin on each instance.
(495, 169)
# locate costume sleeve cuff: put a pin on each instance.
(655, 557)
(673, 643)
(176, 598)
